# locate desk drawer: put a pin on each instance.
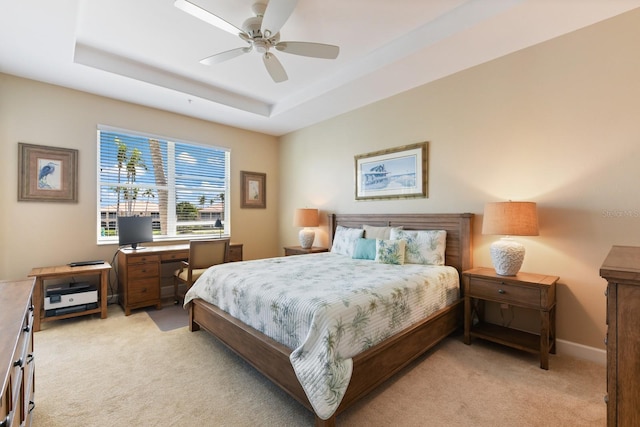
(174, 256)
(142, 290)
(142, 259)
(141, 271)
(504, 292)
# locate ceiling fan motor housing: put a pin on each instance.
(252, 27)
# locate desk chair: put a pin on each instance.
(202, 255)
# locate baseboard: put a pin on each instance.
(581, 351)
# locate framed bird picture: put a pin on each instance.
(47, 174)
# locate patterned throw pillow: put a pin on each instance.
(345, 239)
(423, 246)
(390, 251)
(374, 232)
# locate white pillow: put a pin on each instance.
(374, 232)
(345, 240)
(390, 251)
(423, 246)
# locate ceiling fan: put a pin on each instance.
(262, 33)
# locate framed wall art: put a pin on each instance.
(399, 172)
(254, 190)
(47, 174)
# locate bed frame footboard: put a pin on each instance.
(370, 369)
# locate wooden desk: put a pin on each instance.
(139, 272)
(45, 273)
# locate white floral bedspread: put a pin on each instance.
(327, 308)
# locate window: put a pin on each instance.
(183, 186)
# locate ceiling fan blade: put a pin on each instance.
(276, 14)
(225, 56)
(206, 16)
(274, 67)
(315, 50)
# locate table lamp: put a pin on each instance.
(306, 218)
(218, 226)
(509, 219)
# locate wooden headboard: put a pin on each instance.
(458, 253)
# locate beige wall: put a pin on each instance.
(34, 234)
(558, 124)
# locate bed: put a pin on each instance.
(372, 366)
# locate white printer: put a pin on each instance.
(70, 298)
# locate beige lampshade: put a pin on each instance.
(510, 219)
(305, 218)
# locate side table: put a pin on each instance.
(528, 290)
(44, 273)
(299, 250)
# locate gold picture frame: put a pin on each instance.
(395, 173)
(47, 174)
(254, 190)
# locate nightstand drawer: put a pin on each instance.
(235, 253)
(504, 292)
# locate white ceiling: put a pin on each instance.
(148, 51)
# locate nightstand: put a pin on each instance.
(528, 290)
(298, 250)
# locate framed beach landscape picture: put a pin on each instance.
(399, 172)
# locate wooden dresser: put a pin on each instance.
(139, 272)
(17, 366)
(621, 269)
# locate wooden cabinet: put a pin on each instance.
(17, 363)
(621, 269)
(533, 291)
(139, 272)
(299, 250)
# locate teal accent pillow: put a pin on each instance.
(365, 249)
(390, 251)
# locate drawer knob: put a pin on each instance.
(502, 291)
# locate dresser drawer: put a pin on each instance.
(142, 290)
(142, 271)
(504, 292)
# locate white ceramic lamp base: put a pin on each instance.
(507, 256)
(306, 237)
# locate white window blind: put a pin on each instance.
(183, 186)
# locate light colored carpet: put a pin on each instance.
(124, 371)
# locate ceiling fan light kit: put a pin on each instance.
(262, 33)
